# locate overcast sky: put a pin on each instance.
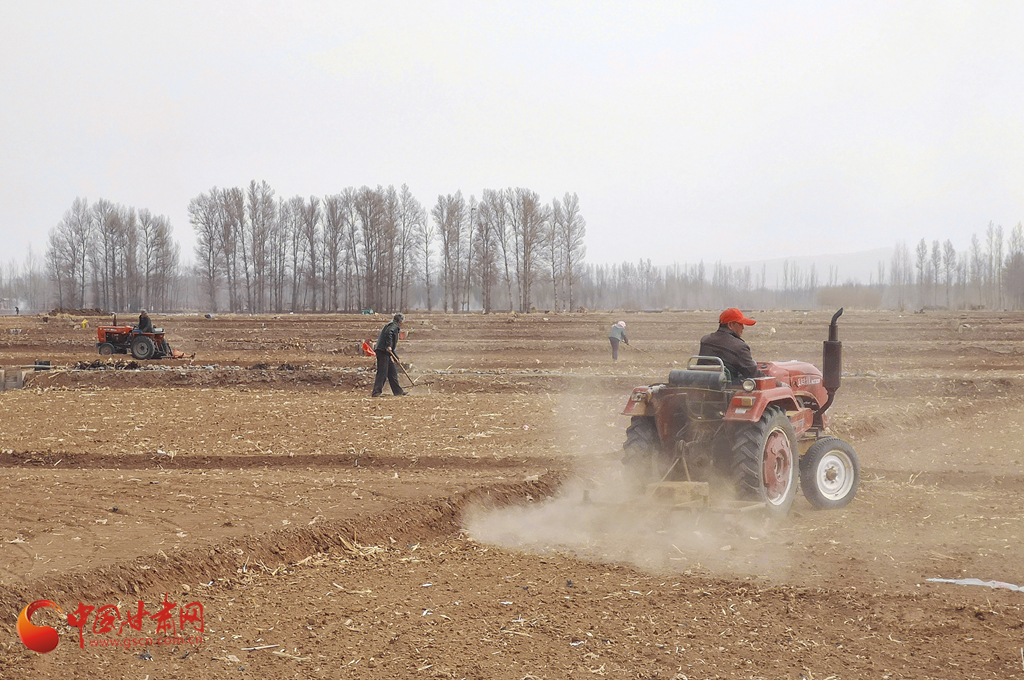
(729, 131)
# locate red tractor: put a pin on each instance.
(116, 339)
(701, 436)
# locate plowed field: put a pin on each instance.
(328, 534)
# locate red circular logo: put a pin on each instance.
(40, 639)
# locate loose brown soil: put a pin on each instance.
(443, 535)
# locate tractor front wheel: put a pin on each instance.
(829, 473)
(764, 462)
(643, 455)
(106, 349)
(143, 348)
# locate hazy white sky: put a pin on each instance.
(716, 130)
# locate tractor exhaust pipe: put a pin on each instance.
(831, 365)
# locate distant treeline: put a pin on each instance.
(988, 275)
(379, 248)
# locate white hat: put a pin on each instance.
(621, 323)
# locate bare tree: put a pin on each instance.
(411, 215)
(155, 257)
(351, 269)
(448, 214)
(573, 230)
(231, 214)
(334, 237)
(901, 273)
(262, 211)
(977, 267)
(949, 265)
(425, 233)
(528, 217)
(370, 211)
(291, 222)
(309, 227)
(467, 231)
(60, 265)
(67, 256)
(552, 246)
(922, 261)
(503, 230)
(204, 216)
(279, 273)
(79, 232)
(486, 245)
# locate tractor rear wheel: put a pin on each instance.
(764, 461)
(642, 449)
(829, 473)
(143, 348)
(106, 349)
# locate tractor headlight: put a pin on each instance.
(749, 385)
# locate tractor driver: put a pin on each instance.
(727, 344)
(145, 323)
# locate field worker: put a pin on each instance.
(616, 335)
(387, 342)
(85, 323)
(727, 344)
(145, 323)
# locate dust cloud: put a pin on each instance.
(598, 520)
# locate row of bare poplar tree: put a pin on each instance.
(112, 256)
(378, 248)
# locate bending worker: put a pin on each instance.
(616, 335)
(387, 342)
(727, 344)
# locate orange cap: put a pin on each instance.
(734, 315)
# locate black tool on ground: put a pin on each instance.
(642, 351)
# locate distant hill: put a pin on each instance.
(859, 267)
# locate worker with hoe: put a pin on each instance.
(616, 335)
(727, 344)
(145, 323)
(387, 342)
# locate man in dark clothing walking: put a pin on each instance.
(727, 344)
(387, 342)
(616, 335)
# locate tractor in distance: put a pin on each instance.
(115, 339)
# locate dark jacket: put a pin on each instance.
(733, 352)
(145, 324)
(388, 338)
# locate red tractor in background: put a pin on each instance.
(701, 436)
(116, 339)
